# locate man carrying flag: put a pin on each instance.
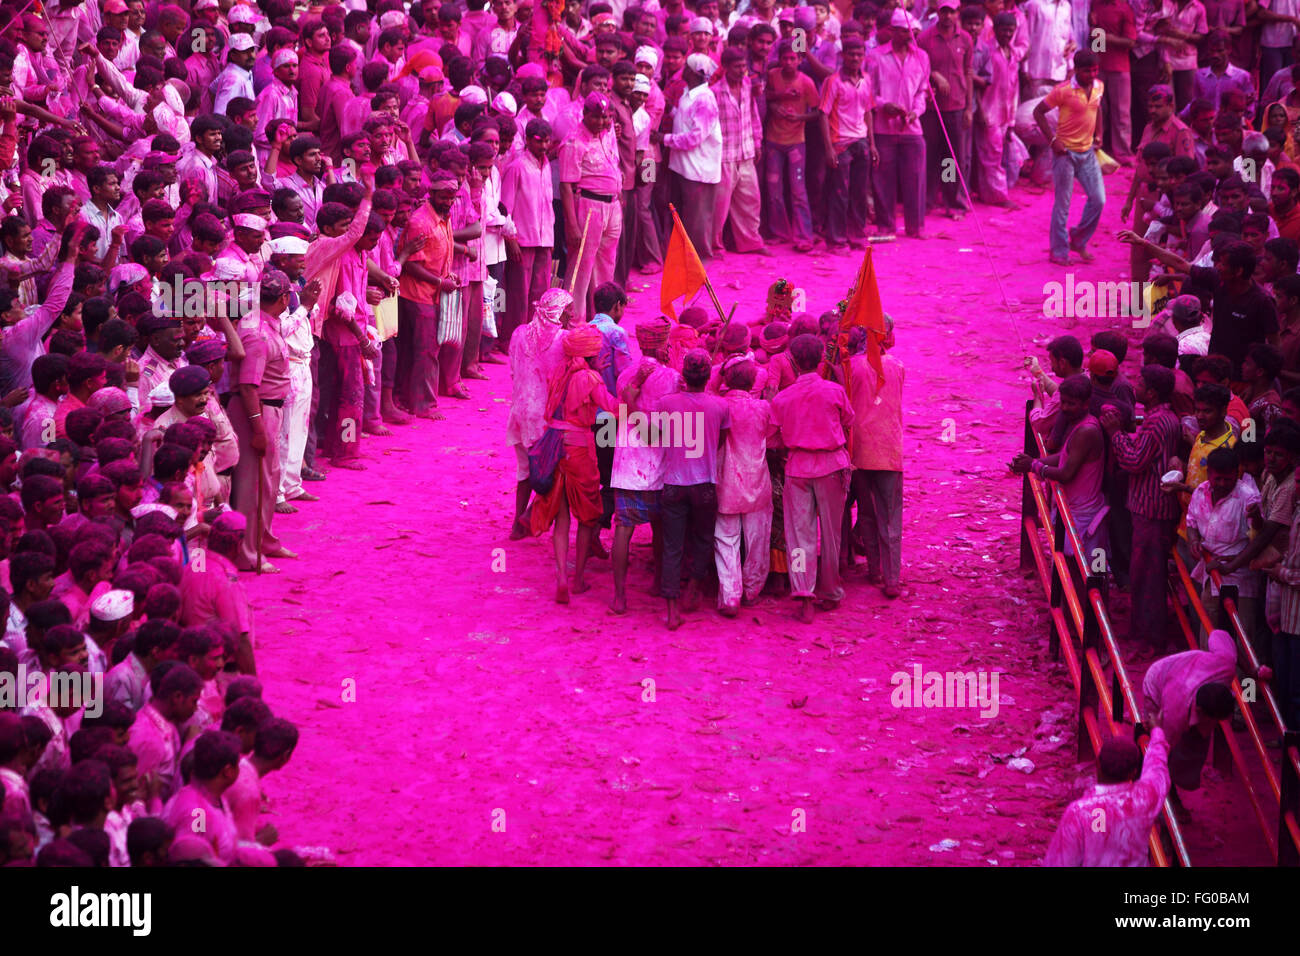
(876, 449)
(874, 381)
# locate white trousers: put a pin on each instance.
(292, 439)
(756, 527)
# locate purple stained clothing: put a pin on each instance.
(689, 425)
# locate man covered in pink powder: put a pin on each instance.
(997, 88)
(1110, 824)
(591, 180)
(812, 418)
(744, 491)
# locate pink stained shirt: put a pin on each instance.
(744, 482)
(334, 99)
(1001, 67)
(354, 278)
(536, 354)
(465, 212)
(1110, 825)
(877, 433)
(639, 466)
(528, 192)
(214, 594)
(191, 806)
(591, 162)
(245, 800)
(157, 743)
(323, 256)
(846, 103)
(813, 417)
(276, 101)
(311, 193)
(313, 75)
(901, 80)
(1171, 683)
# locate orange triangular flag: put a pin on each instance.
(683, 271)
(862, 308)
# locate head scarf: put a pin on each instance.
(652, 334)
(578, 344)
(550, 307)
(774, 337)
(547, 314)
(582, 343)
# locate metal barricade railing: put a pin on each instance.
(1281, 828)
(1081, 633)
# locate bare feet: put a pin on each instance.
(598, 549)
(518, 531)
(378, 429)
(691, 599)
(619, 604)
(561, 594)
(580, 586)
(674, 616)
(474, 374)
(729, 610)
(806, 612)
(892, 591)
(432, 414)
(351, 464)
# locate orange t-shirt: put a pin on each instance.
(1076, 114)
(798, 95)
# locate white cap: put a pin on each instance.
(242, 42)
(162, 395)
(246, 220)
(392, 18)
(282, 57)
(128, 273)
(647, 54)
(641, 85)
(701, 25)
(205, 4)
(901, 18)
(505, 103)
(139, 511)
(113, 605)
(474, 95)
(702, 63)
(242, 13)
(289, 246)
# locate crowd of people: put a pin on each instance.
(240, 237)
(1194, 451)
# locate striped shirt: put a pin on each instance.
(738, 116)
(1145, 454)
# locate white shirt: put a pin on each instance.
(696, 139)
(1049, 25)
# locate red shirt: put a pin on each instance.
(1115, 17)
(951, 58)
(1288, 225)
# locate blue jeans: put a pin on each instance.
(787, 162)
(1065, 169)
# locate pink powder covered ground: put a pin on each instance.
(479, 699)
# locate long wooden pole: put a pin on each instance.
(582, 249)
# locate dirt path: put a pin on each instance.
(477, 698)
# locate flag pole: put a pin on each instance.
(707, 284)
